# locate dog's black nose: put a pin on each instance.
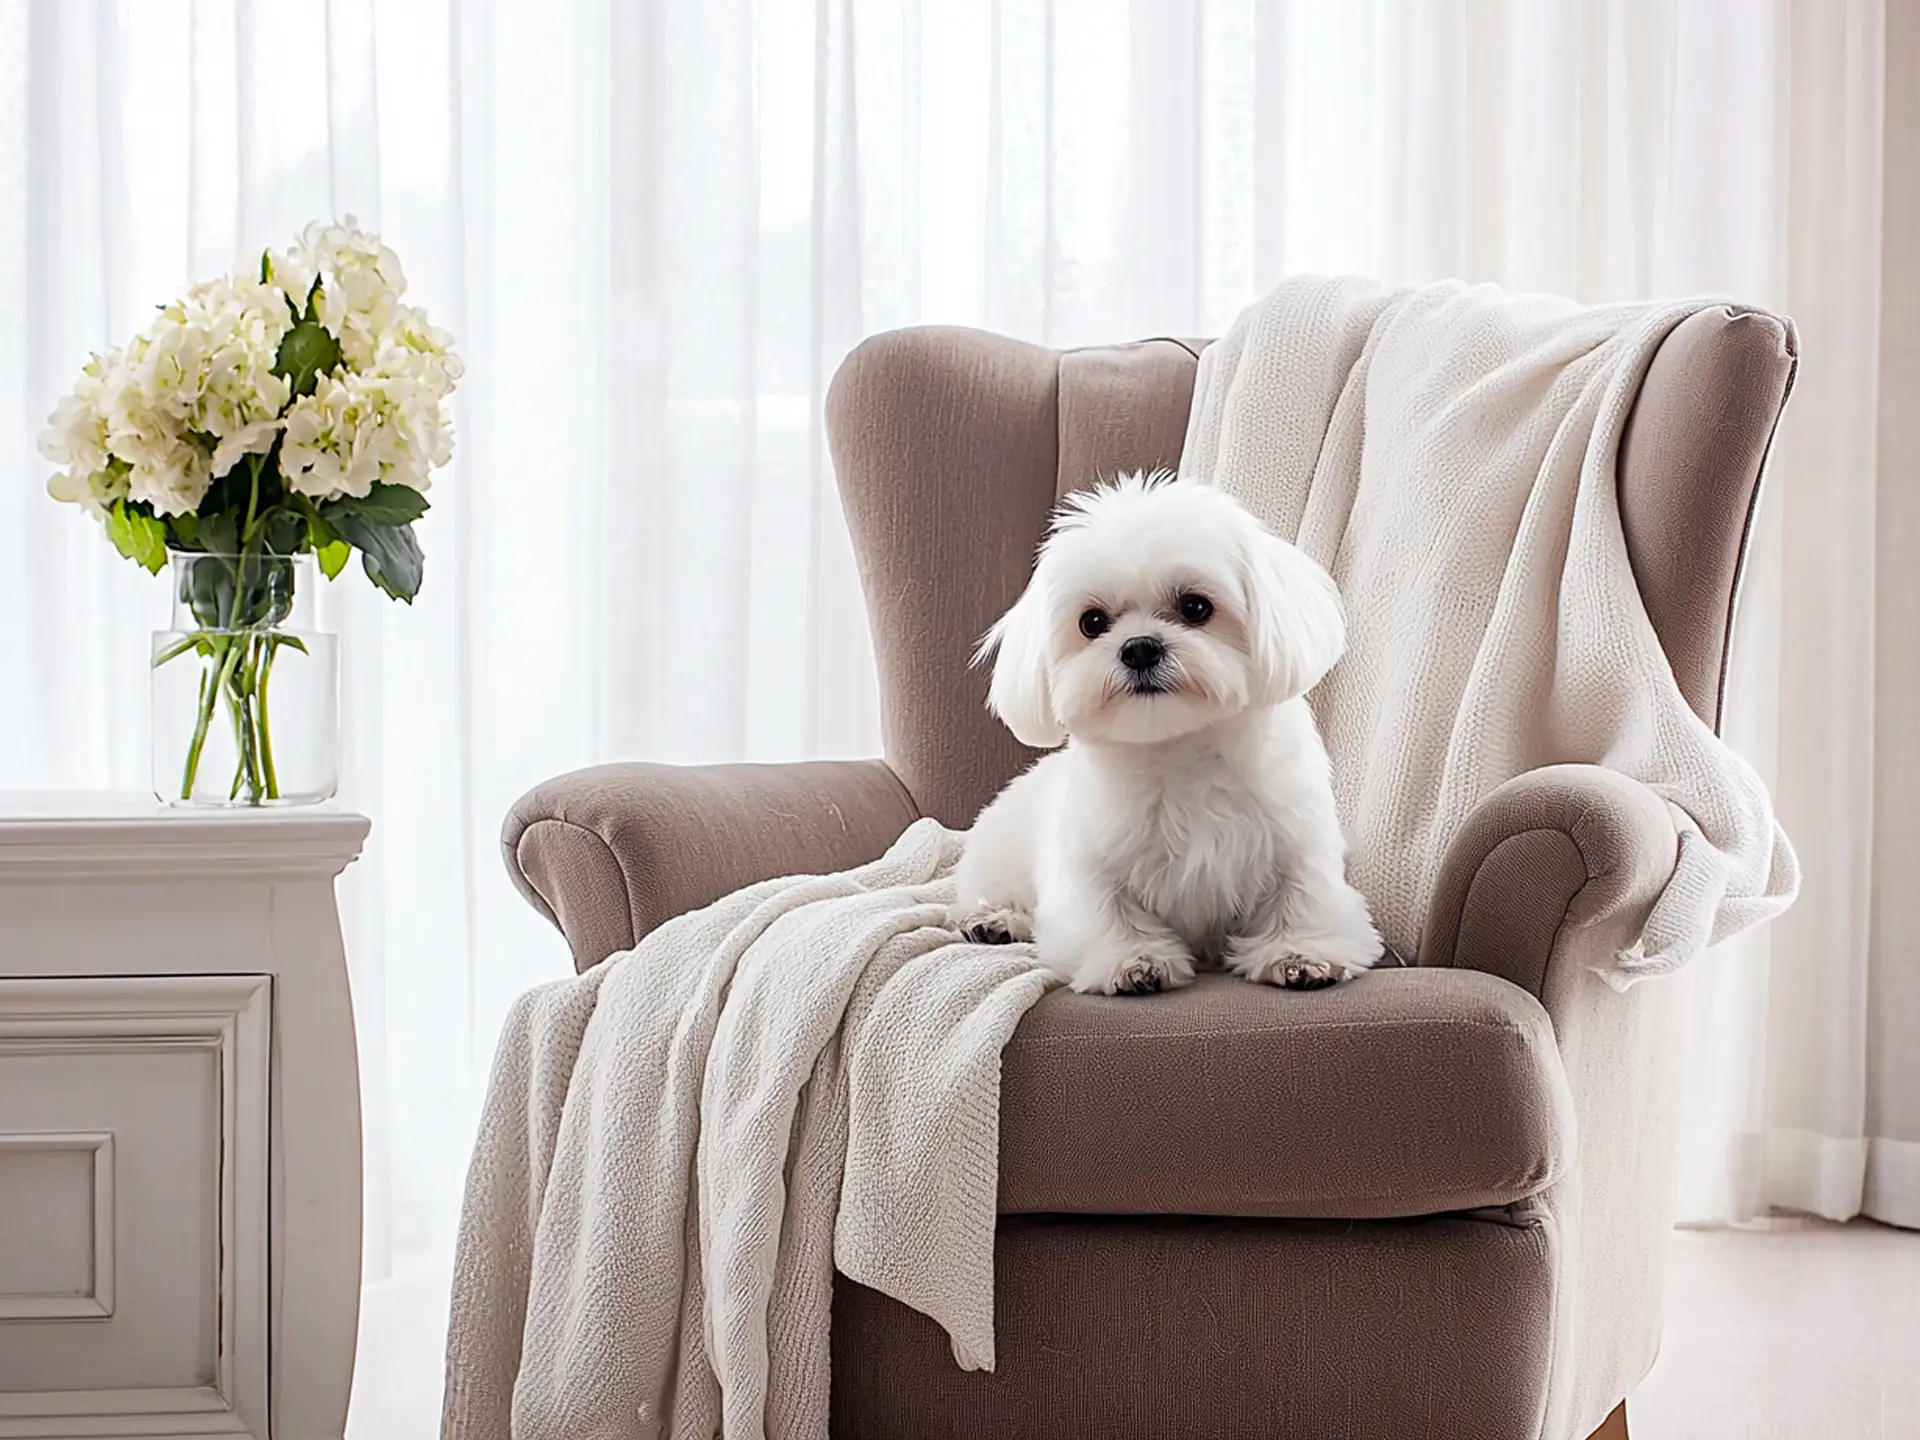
(1142, 652)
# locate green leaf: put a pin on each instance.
(383, 505)
(229, 492)
(177, 649)
(266, 267)
(333, 557)
(208, 592)
(203, 641)
(390, 554)
(305, 351)
(140, 535)
(323, 539)
(281, 637)
(119, 532)
(319, 531)
(152, 534)
(220, 534)
(284, 530)
(186, 529)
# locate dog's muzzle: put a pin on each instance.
(1145, 658)
(1143, 652)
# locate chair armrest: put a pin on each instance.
(1553, 874)
(612, 852)
(1567, 857)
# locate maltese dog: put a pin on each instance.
(1170, 641)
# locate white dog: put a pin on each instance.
(1190, 818)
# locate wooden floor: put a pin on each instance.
(1798, 1331)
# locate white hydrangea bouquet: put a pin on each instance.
(261, 418)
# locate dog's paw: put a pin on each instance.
(998, 925)
(1153, 968)
(1138, 977)
(1300, 973)
(1286, 965)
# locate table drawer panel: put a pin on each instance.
(133, 1148)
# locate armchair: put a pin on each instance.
(1433, 1202)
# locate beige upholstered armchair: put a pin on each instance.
(1429, 1203)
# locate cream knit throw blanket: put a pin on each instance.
(1448, 453)
(679, 1145)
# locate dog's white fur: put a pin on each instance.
(1194, 824)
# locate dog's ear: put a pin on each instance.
(1296, 627)
(1020, 693)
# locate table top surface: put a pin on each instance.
(38, 807)
(95, 834)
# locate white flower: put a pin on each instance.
(193, 396)
(357, 429)
(291, 272)
(360, 288)
(338, 441)
(255, 438)
(76, 437)
(421, 350)
(194, 392)
(416, 414)
(173, 483)
(231, 332)
(92, 492)
(119, 441)
(167, 469)
(382, 418)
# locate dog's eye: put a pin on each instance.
(1095, 623)
(1195, 609)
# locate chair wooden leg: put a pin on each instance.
(1614, 1427)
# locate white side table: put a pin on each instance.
(179, 1121)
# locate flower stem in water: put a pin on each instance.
(227, 686)
(268, 648)
(209, 695)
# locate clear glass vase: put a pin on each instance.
(245, 689)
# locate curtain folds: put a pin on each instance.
(655, 229)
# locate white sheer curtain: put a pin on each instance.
(656, 227)
(636, 551)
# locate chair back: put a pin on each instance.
(951, 446)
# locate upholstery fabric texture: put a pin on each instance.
(1583, 843)
(1364, 1101)
(1176, 1329)
(611, 853)
(946, 443)
(1104, 430)
(1690, 481)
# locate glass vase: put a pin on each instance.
(245, 689)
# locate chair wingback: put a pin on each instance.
(951, 446)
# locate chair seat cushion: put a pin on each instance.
(1399, 1093)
